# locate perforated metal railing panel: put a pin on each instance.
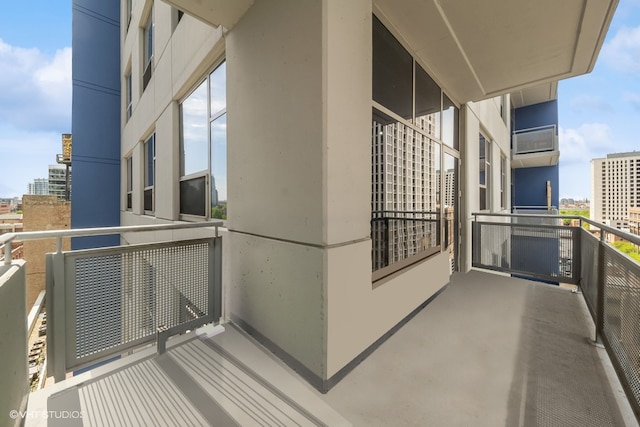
(589, 270)
(622, 316)
(122, 295)
(538, 251)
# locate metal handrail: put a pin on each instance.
(7, 238)
(620, 233)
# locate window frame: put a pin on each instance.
(129, 183)
(148, 40)
(487, 173)
(503, 181)
(149, 186)
(211, 117)
(405, 182)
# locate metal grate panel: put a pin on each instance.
(537, 251)
(589, 270)
(123, 295)
(622, 316)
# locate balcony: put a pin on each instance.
(490, 349)
(535, 147)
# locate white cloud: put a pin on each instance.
(622, 52)
(35, 89)
(35, 108)
(589, 141)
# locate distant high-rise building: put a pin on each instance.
(615, 188)
(57, 181)
(39, 186)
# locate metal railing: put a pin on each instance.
(104, 302)
(399, 236)
(526, 245)
(608, 278)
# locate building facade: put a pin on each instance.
(615, 188)
(59, 183)
(39, 186)
(343, 147)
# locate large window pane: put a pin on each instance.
(194, 148)
(392, 72)
(427, 103)
(405, 169)
(218, 89)
(450, 114)
(451, 209)
(219, 167)
(193, 196)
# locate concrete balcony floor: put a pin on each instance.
(490, 350)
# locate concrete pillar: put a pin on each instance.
(298, 102)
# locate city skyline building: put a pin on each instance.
(615, 188)
(39, 186)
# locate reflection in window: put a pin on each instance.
(485, 172)
(450, 208)
(427, 103)
(203, 153)
(450, 120)
(194, 143)
(405, 221)
(392, 72)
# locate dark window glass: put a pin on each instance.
(392, 72)
(193, 196)
(427, 103)
(148, 199)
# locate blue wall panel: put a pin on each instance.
(531, 116)
(96, 119)
(530, 184)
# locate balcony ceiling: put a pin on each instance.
(481, 49)
(214, 12)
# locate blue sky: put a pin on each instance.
(599, 112)
(35, 89)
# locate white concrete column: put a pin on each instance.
(299, 112)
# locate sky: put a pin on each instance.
(35, 89)
(599, 113)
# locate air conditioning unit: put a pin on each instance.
(535, 140)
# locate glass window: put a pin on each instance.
(193, 196)
(149, 172)
(428, 102)
(503, 181)
(392, 72)
(203, 153)
(194, 142)
(485, 173)
(148, 52)
(129, 183)
(219, 167)
(405, 222)
(128, 94)
(450, 123)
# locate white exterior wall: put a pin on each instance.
(181, 59)
(485, 117)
